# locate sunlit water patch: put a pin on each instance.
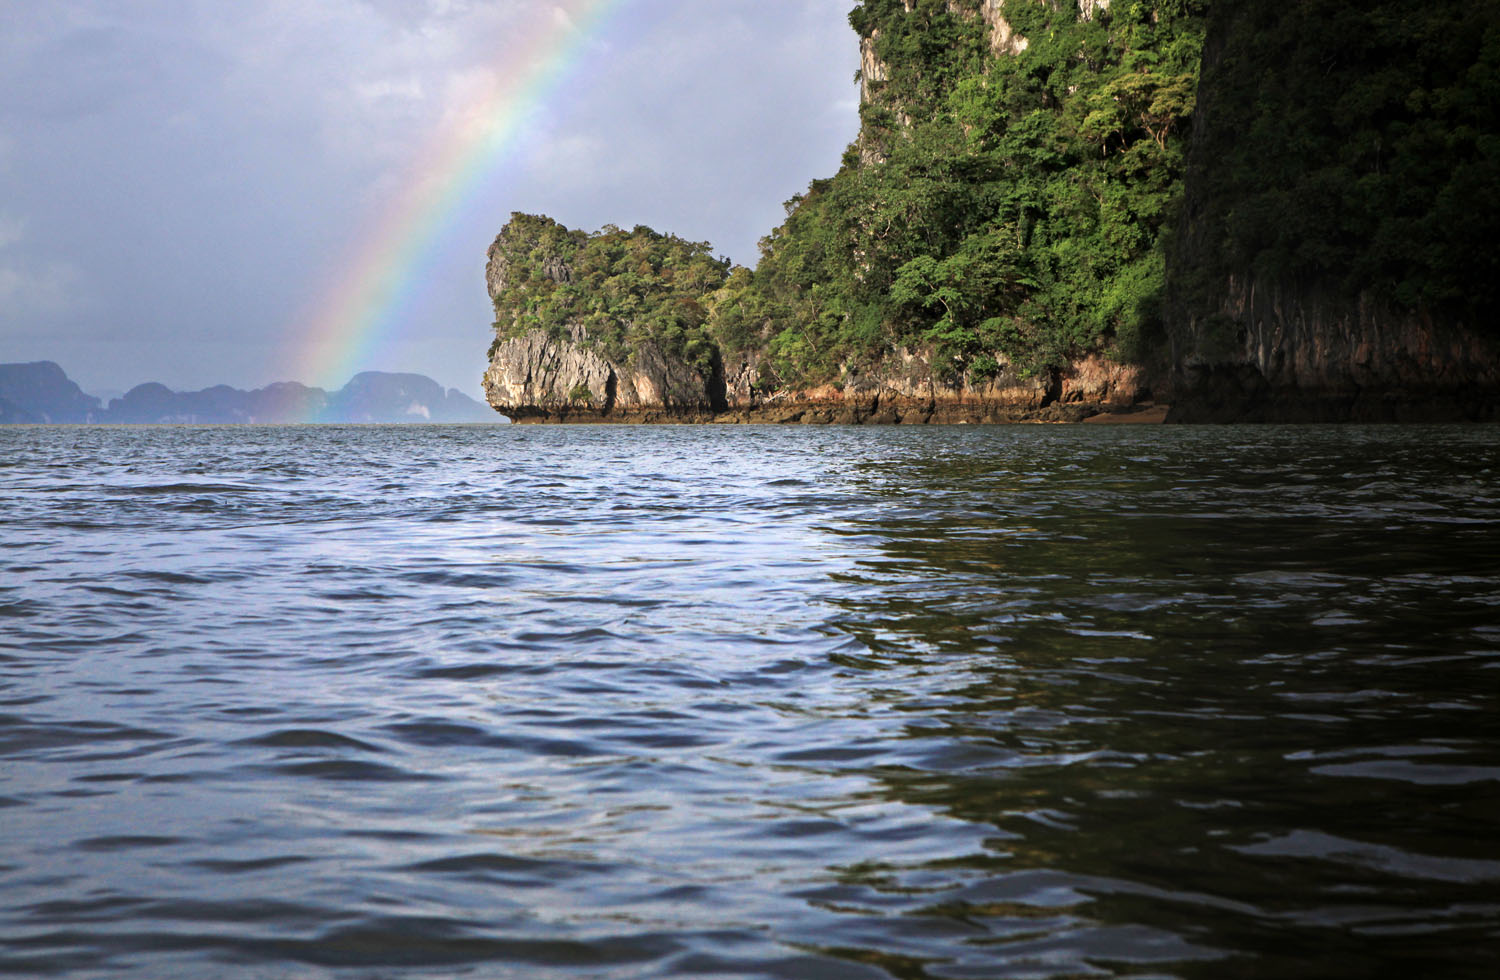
(749, 702)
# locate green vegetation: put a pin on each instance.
(1367, 162)
(1002, 204)
(994, 206)
(613, 290)
(1018, 205)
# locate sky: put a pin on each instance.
(197, 192)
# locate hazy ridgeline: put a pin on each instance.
(40, 392)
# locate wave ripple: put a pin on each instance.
(690, 702)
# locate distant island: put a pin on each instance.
(1251, 211)
(41, 392)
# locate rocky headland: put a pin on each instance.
(596, 366)
(1223, 208)
(40, 391)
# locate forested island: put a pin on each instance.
(1253, 211)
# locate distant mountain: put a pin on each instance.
(375, 396)
(285, 402)
(41, 392)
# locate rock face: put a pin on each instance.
(1302, 357)
(1003, 40)
(497, 271)
(873, 72)
(535, 378)
(905, 388)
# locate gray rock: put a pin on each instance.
(537, 377)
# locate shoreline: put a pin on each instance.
(1148, 413)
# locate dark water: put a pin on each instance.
(745, 702)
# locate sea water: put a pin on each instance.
(546, 702)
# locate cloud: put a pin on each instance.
(368, 81)
(383, 90)
(12, 231)
(48, 290)
(32, 287)
(202, 169)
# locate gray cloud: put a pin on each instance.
(187, 176)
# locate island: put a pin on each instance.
(1258, 211)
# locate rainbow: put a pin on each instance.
(378, 280)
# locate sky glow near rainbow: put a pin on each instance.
(378, 281)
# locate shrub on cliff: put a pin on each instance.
(995, 202)
(1351, 149)
(611, 290)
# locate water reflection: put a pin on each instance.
(1221, 705)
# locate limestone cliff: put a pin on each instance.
(591, 358)
(599, 326)
(1336, 258)
(1301, 356)
(1004, 40)
(536, 378)
(604, 327)
(874, 72)
(906, 388)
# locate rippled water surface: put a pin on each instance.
(749, 702)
